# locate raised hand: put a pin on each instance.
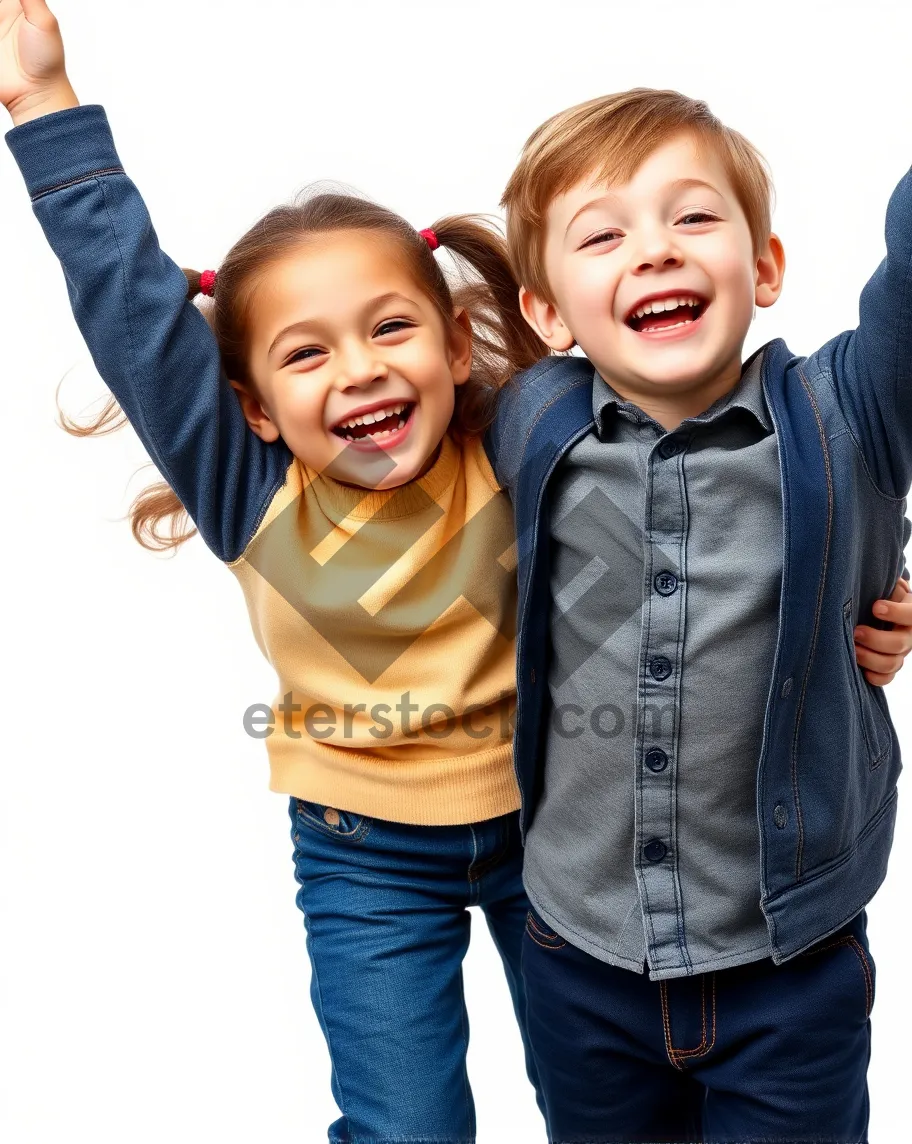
(33, 79)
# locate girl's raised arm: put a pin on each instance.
(151, 346)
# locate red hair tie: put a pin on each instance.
(207, 282)
(430, 238)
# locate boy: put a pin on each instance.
(709, 783)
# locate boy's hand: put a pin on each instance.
(880, 654)
(33, 79)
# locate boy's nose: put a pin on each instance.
(656, 251)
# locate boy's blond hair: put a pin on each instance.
(607, 139)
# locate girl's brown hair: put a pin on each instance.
(503, 342)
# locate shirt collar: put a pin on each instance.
(747, 394)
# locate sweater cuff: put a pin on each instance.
(63, 147)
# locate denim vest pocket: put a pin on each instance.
(328, 820)
(874, 726)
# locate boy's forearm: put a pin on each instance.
(56, 98)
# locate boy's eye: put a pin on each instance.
(700, 216)
(602, 236)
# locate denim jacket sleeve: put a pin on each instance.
(871, 367)
(151, 346)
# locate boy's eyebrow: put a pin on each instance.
(306, 324)
(675, 185)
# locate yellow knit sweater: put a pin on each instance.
(389, 617)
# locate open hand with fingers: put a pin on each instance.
(33, 79)
(880, 654)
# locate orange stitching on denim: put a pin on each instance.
(533, 929)
(676, 1056)
(859, 952)
(704, 1047)
(858, 948)
(669, 1050)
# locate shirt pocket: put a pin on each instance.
(875, 728)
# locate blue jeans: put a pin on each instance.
(758, 1052)
(385, 909)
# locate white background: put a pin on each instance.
(154, 977)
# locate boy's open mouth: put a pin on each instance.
(666, 313)
(377, 425)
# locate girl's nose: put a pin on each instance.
(359, 366)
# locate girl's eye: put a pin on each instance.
(603, 236)
(702, 216)
(303, 355)
(392, 326)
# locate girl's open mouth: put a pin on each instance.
(382, 428)
(663, 316)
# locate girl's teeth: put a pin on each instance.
(370, 418)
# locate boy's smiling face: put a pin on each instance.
(674, 234)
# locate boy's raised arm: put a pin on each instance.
(871, 366)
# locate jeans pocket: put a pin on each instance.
(328, 820)
(849, 949)
(541, 933)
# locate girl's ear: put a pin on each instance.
(461, 347)
(254, 413)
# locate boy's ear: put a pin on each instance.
(770, 272)
(255, 415)
(461, 347)
(545, 320)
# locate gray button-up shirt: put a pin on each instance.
(666, 578)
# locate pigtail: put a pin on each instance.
(155, 503)
(504, 343)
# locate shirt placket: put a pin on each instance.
(658, 704)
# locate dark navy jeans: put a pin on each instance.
(385, 908)
(755, 1053)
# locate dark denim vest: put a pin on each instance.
(826, 783)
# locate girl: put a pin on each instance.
(327, 446)
(341, 476)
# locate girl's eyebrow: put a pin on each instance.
(306, 324)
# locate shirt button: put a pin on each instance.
(656, 759)
(670, 447)
(665, 583)
(655, 850)
(780, 816)
(660, 667)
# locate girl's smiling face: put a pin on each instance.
(353, 364)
